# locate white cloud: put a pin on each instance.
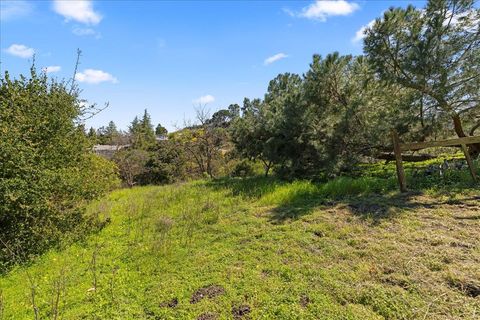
(20, 50)
(322, 9)
(204, 99)
(274, 58)
(78, 10)
(51, 69)
(95, 76)
(14, 9)
(360, 34)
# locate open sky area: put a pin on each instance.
(168, 56)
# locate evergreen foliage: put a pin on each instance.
(47, 169)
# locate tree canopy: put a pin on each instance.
(434, 52)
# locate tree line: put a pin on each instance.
(419, 75)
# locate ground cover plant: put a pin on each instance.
(351, 248)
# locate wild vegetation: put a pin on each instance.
(48, 172)
(263, 248)
(281, 207)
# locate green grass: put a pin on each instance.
(347, 249)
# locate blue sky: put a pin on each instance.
(169, 56)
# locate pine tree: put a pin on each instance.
(142, 133)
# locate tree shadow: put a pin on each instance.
(375, 207)
(250, 187)
(371, 205)
(368, 206)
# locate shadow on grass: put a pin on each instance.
(374, 207)
(370, 198)
(251, 187)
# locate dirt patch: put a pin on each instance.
(148, 312)
(319, 233)
(240, 312)
(457, 244)
(207, 292)
(397, 280)
(304, 300)
(169, 304)
(208, 316)
(469, 288)
(266, 273)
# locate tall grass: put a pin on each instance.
(306, 191)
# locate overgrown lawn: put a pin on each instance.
(260, 248)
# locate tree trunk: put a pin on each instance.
(457, 125)
(473, 149)
(267, 166)
(267, 169)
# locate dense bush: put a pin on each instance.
(243, 168)
(165, 165)
(47, 169)
(131, 164)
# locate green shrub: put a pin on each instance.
(243, 168)
(166, 164)
(131, 164)
(47, 169)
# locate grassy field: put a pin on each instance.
(259, 248)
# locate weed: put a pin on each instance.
(94, 268)
(2, 304)
(112, 285)
(162, 229)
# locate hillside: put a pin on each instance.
(263, 249)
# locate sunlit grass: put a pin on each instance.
(350, 248)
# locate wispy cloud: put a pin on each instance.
(78, 10)
(10, 10)
(20, 50)
(204, 99)
(51, 69)
(95, 76)
(320, 10)
(360, 34)
(86, 32)
(274, 58)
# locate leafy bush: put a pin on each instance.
(167, 164)
(161, 163)
(131, 164)
(243, 168)
(47, 169)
